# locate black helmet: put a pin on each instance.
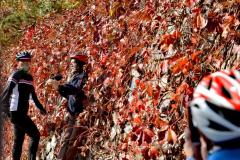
(23, 56)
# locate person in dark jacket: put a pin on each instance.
(72, 91)
(15, 99)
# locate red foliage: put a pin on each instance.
(161, 48)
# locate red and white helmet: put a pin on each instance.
(215, 107)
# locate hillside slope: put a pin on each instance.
(145, 59)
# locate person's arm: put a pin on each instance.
(36, 101)
(68, 89)
(72, 88)
(6, 94)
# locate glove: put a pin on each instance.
(58, 77)
(62, 91)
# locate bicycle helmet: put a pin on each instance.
(215, 107)
(23, 56)
(80, 57)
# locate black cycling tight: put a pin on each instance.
(23, 124)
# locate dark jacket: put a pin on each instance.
(72, 90)
(19, 90)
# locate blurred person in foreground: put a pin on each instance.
(214, 118)
(15, 103)
(72, 91)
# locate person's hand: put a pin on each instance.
(188, 146)
(52, 82)
(198, 151)
(63, 102)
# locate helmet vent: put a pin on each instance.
(217, 126)
(233, 76)
(210, 83)
(232, 116)
(226, 93)
(195, 105)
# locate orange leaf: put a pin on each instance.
(179, 65)
(170, 136)
(194, 39)
(137, 121)
(166, 39)
(195, 55)
(159, 123)
(228, 20)
(182, 88)
(134, 50)
(150, 90)
(52, 35)
(200, 22)
(174, 106)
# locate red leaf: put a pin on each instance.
(197, 10)
(189, 3)
(137, 81)
(157, 93)
(138, 129)
(142, 85)
(145, 154)
(195, 55)
(161, 135)
(29, 34)
(153, 152)
(148, 132)
(214, 21)
(176, 34)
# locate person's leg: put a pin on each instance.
(67, 136)
(74, 141)
(18, 142)
(28, 126)
(34, 134)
